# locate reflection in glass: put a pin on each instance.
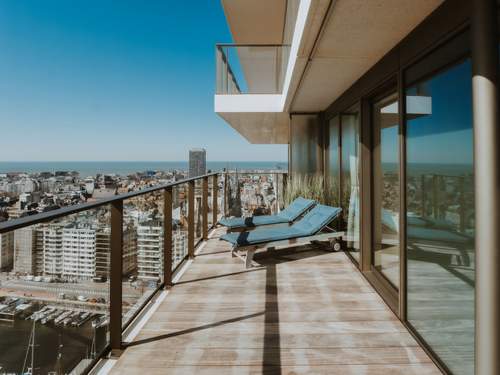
(440, 215)
(333, 168)
(386, 188)
(350, 179)
(305, 151)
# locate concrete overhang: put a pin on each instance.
(255, 21)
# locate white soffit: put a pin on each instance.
(357, 34)
(255, 21)
(260, 127)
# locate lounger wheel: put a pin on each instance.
(336, 245)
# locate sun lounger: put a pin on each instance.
(306, 230)
(296, 209)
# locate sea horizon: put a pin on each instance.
(91, 168)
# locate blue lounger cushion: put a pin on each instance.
(312, 222)
(288, 215)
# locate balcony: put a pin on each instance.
(302, 309)
(251, 68)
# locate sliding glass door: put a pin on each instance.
(440, 215)
(342, 172)
(386, 185)
(350, 179)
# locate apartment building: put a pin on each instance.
(150, 250)
(6, 251)
(49, 250)
(392, 106)
(103, 248)
(25, 251)
(78, 253)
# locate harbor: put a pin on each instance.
(39, 338)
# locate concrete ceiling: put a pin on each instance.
(260, 127)
(255, 21)
(357, 34)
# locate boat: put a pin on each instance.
(31, 358)
(100, 321)
(61, 317)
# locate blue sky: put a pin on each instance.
(114, 80)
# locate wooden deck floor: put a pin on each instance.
(303, 311)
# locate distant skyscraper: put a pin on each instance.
(197, 162)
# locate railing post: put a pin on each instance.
(204, 204)
(284, 187)
(215, 188)
(423, 196)
(115, 277)
(435, 200)
(191, 219)
(167, 237)
(461, 180)
(226, 200)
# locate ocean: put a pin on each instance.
(91, 168)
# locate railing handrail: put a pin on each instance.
(253, 172)
(42, 217)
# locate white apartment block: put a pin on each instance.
(78, 247)
(150, 251)
(49, 250)
(179, 247)
(6, 251)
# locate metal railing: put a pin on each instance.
(116, 243)
(202, 197)
(251, 68)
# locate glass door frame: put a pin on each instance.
(394, 297)
(357, 105)
(390, 93)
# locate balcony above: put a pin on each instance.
(251, 68)
(249, 90)
(324, 48)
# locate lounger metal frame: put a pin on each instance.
(334, 238)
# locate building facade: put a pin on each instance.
(78, 250)
(393, 106)
(6, 251)
(49, 250)
(150, 250)
(25, 251)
